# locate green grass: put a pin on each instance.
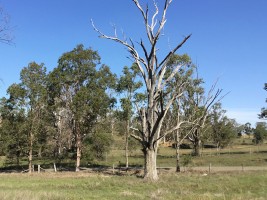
(61, 186)
(185, 186)
(247, 155)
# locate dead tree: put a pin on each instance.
(153, 72)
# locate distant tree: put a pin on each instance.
(223, 130)
(248, 129)
(5, 29)
(260, 132)
(196, 109)
(79, 88)
(263, 114)
(31, 95)
(127, 86)
(181, 81)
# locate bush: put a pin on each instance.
(96, 145)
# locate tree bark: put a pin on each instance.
(196, 147)
(78, 145)
(30, 152)
(150, 170)
(178, 169)
(79, 153)
(127, 144)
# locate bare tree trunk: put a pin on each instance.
(178, 169)
(150, 170)
(78, 145)
(79, 153)
(127, 143)
(30, 152)
(40, 152)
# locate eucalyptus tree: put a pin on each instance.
(127, 86)
(260, 132)
(13, 133)
(196, 109)
(30, 96)
(222, 128)
(179, 84)
(78, 92)
(248, 129)
(153, 72)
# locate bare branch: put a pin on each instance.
(145, 16)
(153, 21)
(173, 51)
(130, 48)
(137, 137)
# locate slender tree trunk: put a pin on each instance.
(178, 169)
(30, 152)
(196, 143)
(127, 144)
(150, 170)
(79, 151)
(78, 145)
(40, 152)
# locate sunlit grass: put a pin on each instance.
(248, 185)
(237, 155)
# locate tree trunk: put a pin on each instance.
(40, 152)
(196, 147)
(178, 169)
(79, 153)
(150, 170)
(127, 144)
(196, 143)
(30, 152)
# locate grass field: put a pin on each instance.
(186, 186)
(236, 155)
(189, 185)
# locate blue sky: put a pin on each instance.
(228, 41)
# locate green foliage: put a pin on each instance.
(13, 132)
(260, 132)
(23, 113)
(247, 129)
(128, 86)
(97, 144)
(78, 91)
(222, 128)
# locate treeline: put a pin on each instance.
(74, 111)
